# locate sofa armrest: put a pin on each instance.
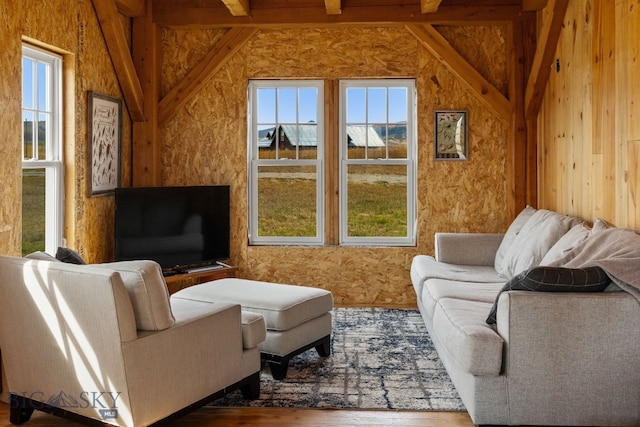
(574, 354)
(467, 248)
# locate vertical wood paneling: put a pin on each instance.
(588, 129)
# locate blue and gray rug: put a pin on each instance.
(381, 359)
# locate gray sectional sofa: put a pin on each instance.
(565, 345)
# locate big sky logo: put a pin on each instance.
(106, 402)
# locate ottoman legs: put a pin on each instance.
(280, 364)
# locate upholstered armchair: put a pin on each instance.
(104, 342)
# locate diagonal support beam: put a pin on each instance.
(118, 48)
(548, 35)
(238, 7)
(429, 6)
(224, 49)
(131, 8)
(447, 55)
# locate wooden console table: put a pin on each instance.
(184, 280)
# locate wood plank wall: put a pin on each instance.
(589, 127)
(205, 142)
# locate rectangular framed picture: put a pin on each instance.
(104, 139)
(451, 130)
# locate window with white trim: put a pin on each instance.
(377, 162)
(286, 138)
(373, 185)
(42, 184)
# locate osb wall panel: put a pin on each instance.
(205, 143)
(10, 122)
(72, 30)
(588, 132)
(484, 48)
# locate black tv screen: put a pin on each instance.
(174, 226)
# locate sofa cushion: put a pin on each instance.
(437, 289)
(467, 340)
(511, 234)
(534, 240)
(148, 292)
(554, 279)
(566, 243)
(42, 256)
(424, 267)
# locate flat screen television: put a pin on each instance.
(178, 227)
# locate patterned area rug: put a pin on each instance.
(381, 359)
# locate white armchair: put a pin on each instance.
(103, 342)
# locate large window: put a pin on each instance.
(286, 152)
(41, 151)
(377, 159)
(369, 175)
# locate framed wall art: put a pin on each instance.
(104, 141)
(451, 140)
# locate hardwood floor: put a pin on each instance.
(283, 417)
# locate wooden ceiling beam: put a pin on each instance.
(429, 6)
(131, 8)
(430, 38)
(238, 7)
(199, 75)
(178, 14)
(118, 47)
(333, 7)
(548, 35)
(531, 5)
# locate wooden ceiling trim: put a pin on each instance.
(548, 35)
(429, 6)
(179, 15)
(238, 7)
(224, 49)
(118, 47)
(456, 64)
(333, 7)
(131, 8)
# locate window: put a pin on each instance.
(374, 163)
(377, 164)
(41, 151)
(286, 155)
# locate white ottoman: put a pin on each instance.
(298, 317)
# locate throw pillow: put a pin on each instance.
(69, 255)
(511, 234)
(554, 279)
(573, 238)
(534, 240)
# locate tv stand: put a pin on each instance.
(198, 275)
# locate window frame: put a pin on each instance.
(52, 164)
(410, 162)
(255, 162)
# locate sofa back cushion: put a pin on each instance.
(511, 234)
(566, 243)
(534, 240)
(148, 292)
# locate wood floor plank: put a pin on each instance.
(284, 417)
